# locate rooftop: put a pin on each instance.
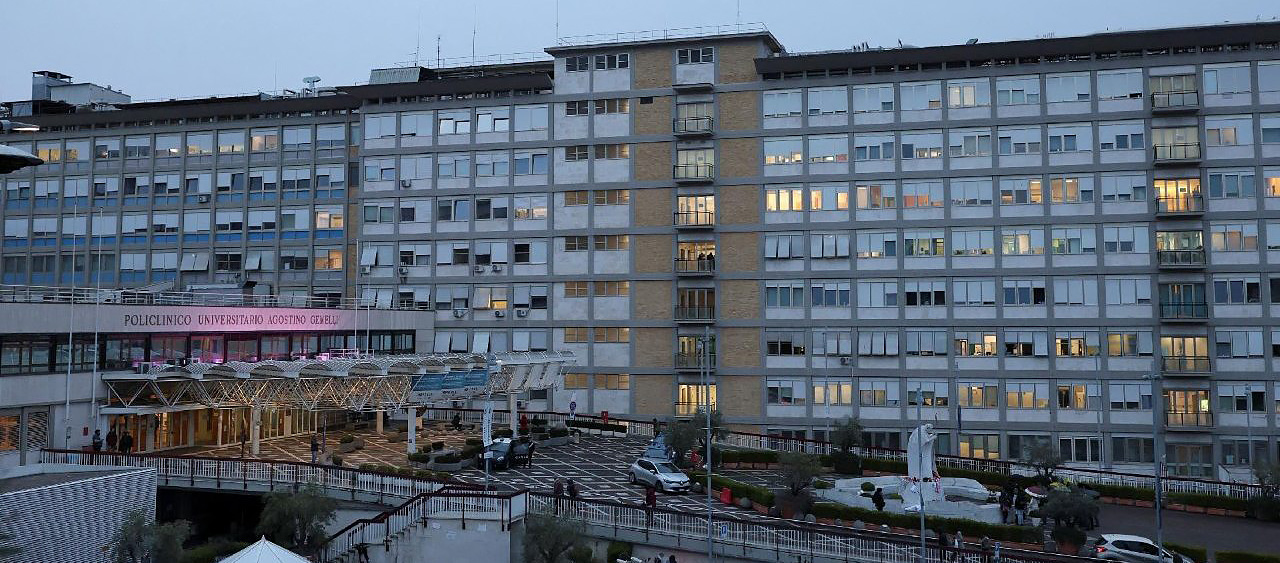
(38, 480)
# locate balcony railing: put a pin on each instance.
(1181, 204)
(1188, 419)
(685, 360)
(691, 125)
(1184, 311)
(1185, 364)
(53, 294)
(694, 218)
(693, 172)
(1177, 152)
(1180, 258)
(1183, 99)
(704, 266)
(690, 409)
(695, 313)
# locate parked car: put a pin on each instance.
(661, 475)
(501, 454)
(658, 451)
(1133, 549)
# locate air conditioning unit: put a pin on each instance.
(522, 313)
(846, 361)
(203, 199)
(404, 271)
(478, 269)
(366, 270)
(497, 267)
(406, 184)
(459, 313)
(499, 313)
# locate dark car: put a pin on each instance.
(500, 453)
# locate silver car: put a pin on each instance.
(1133, 549)
(659, 474)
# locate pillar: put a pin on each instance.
(378, 421)
(410, 416)
(193, 424)
(255, 430)
(416, 417)
(514, 416)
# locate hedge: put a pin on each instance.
(474, 442)
(1210, 501)
(448, 458)
(210, 552)
(346, 439)
(738, 489)
(1197, 554)
(420, 457)
(1244, 557)
(748, 456)
(1023, 534)
(1122, 491)
(593, 425)
(559, 432)
(885, 465)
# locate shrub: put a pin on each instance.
(474, 442)
(728, 456)
(821, 484)
(541, 437)
(580, 554)
(471, 452)
(1197, 554)
(1003, 532)
(559, 432)
(759, 495)
(826, 460)
(448, 458)
(1209, 501)
(1265, 509)
(428, 474)
(384, 468)
(346, 439)
(337, 460)
(1069, 535)
(210, 552)
(437, 446)
(404, 471)
(618, 550)
(1244, 557)
(867, 486)
(1122, 491)
(846, 463)
(420, 457)
(502, 433)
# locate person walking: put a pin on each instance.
(1020, 507)
(986, 548)
(942, 545)
(113, 440)
(958, 543)
(650, 502)
(572, 488)
(524, 425)
(532, 446)
(96, 442)
(244, 437)
(457, 421)
(315, 449)
(877, 498)
(126, 442)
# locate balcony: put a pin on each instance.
(690, 409)
(689, 127)
(693, 173)
(1175, 102)
(695, 314)
(1186, 311)
(694, 219)
(1188, 420)
(1185, 365)
(1189, 204)
(689, 361)
(1177, 154)
(1180, 259)
(696, 266)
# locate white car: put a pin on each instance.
(659, 474)
(1133, 549)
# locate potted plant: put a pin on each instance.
(437, 446)
(337, 460)
(347, 444)
(1068, 538)
(868, 488)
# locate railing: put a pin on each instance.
(694, 218)
(695, 265)
(1175, 99)
(693, 171)
(1180, 204)
(1185, 364)
(1176, 152)
(1199, 310)
(695, 313)
(385, 527)
(660, 34)
(692, 125)
(693, 361)
(1188, 419)
(49, 294)
(1180, 257)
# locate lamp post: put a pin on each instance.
(920, 460)
(1158, 434)
(705, 343)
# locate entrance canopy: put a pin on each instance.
(349, 381)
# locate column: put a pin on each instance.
(255, 429)
(416, 418)
(515, 416)
(149, 424)
(192, 426)
(378, 421)
(410, 416)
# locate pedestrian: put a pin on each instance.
(995, 553)
(650, 502)
(1006, 506)
(711, 261)
(557, 490)
(572, 488)
(1020, 507)
(532, 446)
(877, 498)
(671, 558)
(986, 548)
(96, 443)
(126, 442)
(942, 545)
(457, 421)
(958, 543)
(656, 429)
(113, 440)
(315, 449)
(524, 424)
(694, 459)
(244, 437)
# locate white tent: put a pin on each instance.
(265, 552)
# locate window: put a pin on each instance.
(1129, 343)
(615, 151)
(1021, 241)
(967, 93)
(1025, 395)
(1237, 289)
(978, 394)
(577, 63)
(453, 166)
(1271, 128)
(828, 101)
(981, 446)
(1018, 191)
(412, 167)
(1132, 449)
(613, 105)
(612, 197)
(1130, 396)
(873, 342)
(1234, 237)
(1228, 131)
(1018, 140)
(878, 393)
(491, 208)
(1026, 343)
(1121, 186)
(1076, 343)
(1018, 90)
(828, 197)
(530, 252)
(1075, 291)
(964, 143)
(926, 342)
(970, 191)
(784, 199)
(788, 150)
(784, 343)
(531, 207)
(975, 342)
(877, 244)
(832, 342)
(531, 118)
(1070, 138)
(973, 292)
(785, 392)
(454, 122)
(613, 381)
(612, 242)
(1119, 136)
(830, 294)
(921, 145)
(829, 148)
(575, 153)
(489, 164)
(1024, 292)
(782, 103)
(828, 245)
(575, 243)
(575, 289)
(926, 293)
(1128, 291)
(920, 95)
(1242, 397)
(783, 293)
(921, 194)
(229, 142)
(1231, 184)
(877, 196)
(1238, 343)
(1120, 84)
(873, 146)
(375, 127)
(695, 56)
(784, 246)
(493, 120)
(612, 288)
(1071, 189)
(1072, 87)
(1224, 79)
(576, 334)
(924, 243)
(577, 108)
(827, 392)
(530, 163)
(872, 98)
(1074, 240)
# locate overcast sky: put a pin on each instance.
(155, 49)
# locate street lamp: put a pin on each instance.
(1157, 413)
(7, 126)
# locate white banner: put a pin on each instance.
(486, 426)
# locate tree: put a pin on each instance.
(140, 541)
(681, 436)
(847, 435)
(798, 471)
(296, 520)
(549, 539)
(1266, 506)
(1043, 456)
(1070, 507)
(718, 431)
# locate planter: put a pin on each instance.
(1217, 511)
(1194, 509)
(760, 508)
(1144, 503)
(358, 443)
(553, 442)
(347, 447)
(1236, 513)
(1177, 506)
(449, 467)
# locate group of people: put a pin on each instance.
(955, 543)
(1013, 505)
(122, 443)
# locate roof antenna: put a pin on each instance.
(557, 21)
(475, 17)
(417, 44)
(439, 63)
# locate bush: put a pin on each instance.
(346, 439)
(821, 484)
(559, 432)
(846, 463)
(867, 487)
(435, 475)
(1265, 509)
(1003, 532)
(474, 442)
(541, 437)
(1197, 554)
(448, 458)
(1209, 501)
(337, 460)
(210, 552)
(593, 425)
(1244, 557)
(437, 446)
(728, 456)
(502, 433)
(580, 554)
(618, 550)
(826, 460)
(471, 452)
(420, 457)
(759, 495)
(1069, 535)
(1122, 491)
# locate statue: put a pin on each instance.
(920, 467)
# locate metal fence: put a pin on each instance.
(385, 527)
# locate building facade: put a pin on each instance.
(1035, 240)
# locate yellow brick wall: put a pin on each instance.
(652, 299)
(652, 67)
(738, 205)
(653, 394)
(739, 111)
(739, 299)
(740, 395)
(738, 252)
(738, 347)
(654, 118)
(653, 162)
(653, 206)
(737, 62)
(739, 158)
(653, 253)
(653, 347)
